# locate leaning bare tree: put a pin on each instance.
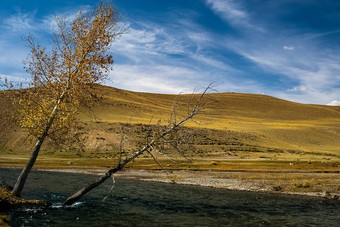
(158, 137)
(61, 76)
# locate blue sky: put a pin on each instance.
(289, 49)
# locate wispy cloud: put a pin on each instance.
(18, 25)
(233, 13)
(149, 63)
(20, 22)
(23, 22)
(229, 10)
(146, 40)
(320, 34)
(301, 71)
(164, 57)
(317, 76)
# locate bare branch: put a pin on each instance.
(149, 146)
(158, 163)
(111, 189)
(121, 149)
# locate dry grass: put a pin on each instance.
(181, 164)
(293, 182)
(255, 122)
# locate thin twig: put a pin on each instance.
(110, 192)
(159, 164)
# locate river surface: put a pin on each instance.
(138, 203)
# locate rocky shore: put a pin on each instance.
(244, 181)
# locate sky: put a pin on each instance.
(288, 49)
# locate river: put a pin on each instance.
(138, 203)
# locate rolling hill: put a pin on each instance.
(232, 126)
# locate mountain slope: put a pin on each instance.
(233, 125)
(277, 123)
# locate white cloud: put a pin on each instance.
(288, 47)
(158, 78)
(198, 37)
(232, 12)
(27, 22)
(153, 41)
(151, 67)
(228, 9)
(152, 44)
(167, 79)
(316, 71)
(20, 22)
(49, 22)
(298, 88)
(213, 62)
(334, 103)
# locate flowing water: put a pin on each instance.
(137, 203)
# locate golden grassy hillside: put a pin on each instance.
(232, 126)
(272, 122)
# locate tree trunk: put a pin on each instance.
(75, 197)
(19, 185)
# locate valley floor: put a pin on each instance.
(304, 178)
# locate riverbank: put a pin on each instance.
(298, 183)
(137, 203)
(312, 178)
(8, 201)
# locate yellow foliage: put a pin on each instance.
(60, 76)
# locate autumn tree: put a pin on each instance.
(62, 74)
